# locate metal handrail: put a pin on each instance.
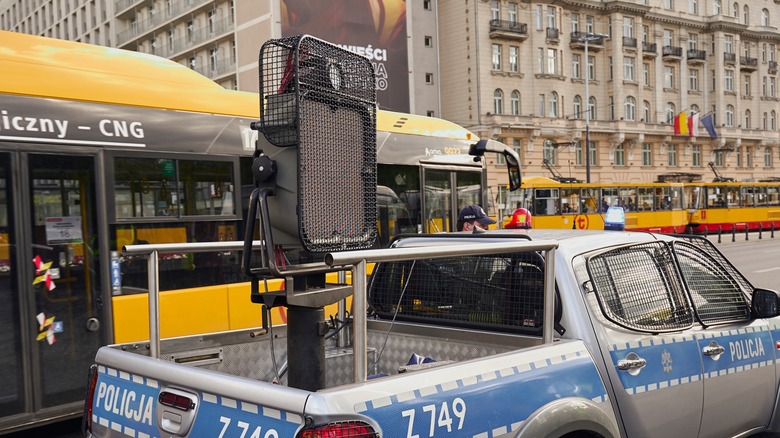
(153, 251)
(360, 259)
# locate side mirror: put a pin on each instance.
(510, 156)
(765, 303)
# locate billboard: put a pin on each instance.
(375, 29)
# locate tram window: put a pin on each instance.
(716, 197)
(732, 197)
(178, 270)
(609, 198)
(589, 200)
(663, 199)
(627, 198)
(404, 181)
(747, 196)
(773, 196)
(692, 197)
(159, 188)
(676, 197)
(645, 202)
(546, 202)
(570, 201)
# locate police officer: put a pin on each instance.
(473, 216)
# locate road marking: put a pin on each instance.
(761, 271)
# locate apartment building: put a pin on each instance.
(221, 38)
(518, 71)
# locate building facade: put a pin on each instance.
(518, 71)
(221, 38)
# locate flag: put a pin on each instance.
(693, 125)
(709, 125)
(681, 124)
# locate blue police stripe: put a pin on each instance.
(221, 413)
(124, 402)
(745, 350)
(495, 402)
(668, 364)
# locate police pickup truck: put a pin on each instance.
(639, 335)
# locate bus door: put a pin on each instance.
(447, 189)
(50, 317)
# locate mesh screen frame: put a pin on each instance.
(322, 99)
(501, 292)
(632, 283)
(717, 297)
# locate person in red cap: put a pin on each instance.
(473, 216)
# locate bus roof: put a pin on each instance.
(48, 67)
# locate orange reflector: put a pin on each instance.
(340, 430)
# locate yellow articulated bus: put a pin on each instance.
(100, 148)
(657, 207)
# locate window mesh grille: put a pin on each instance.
(716, 295)
(499, 292)
(637, 287)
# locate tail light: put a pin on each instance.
(86, 420)
(353, 429)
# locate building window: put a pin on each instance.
(647, 154)
(212, 21)
(512, 12)
(214, 58)
(430, 114)
(746, 85)
(669, 5)
(670, 113)
(591, 68)
(668, 77)
(671, 155)
(541, 105)
(630, 108)
(748, 156)
(730, 116)
(765, 20)
(646, 112)
(693, 7)
(575, 66)
(745, 15)
(738, 153)
(514, 101)
(609, 68)
(620, 155)
(592, 108)
(578, 106)
(552, 20)
(514, 54)
(539, 21)
(552, 61)
(498, 102)
(553, 104)
(427, 5)
(765, 121)
(575, 22)
(767, 157)
(747, 119)
(773, 120)
(593, 155)
(729, 80)
(693, 79)
(628, 68)
(495, 10)
(428, 41)
(716, 7)
(496, 57)
(429, 78)
(696, 155)
(549, 154)
(646, 74)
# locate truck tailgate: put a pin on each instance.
(143, 397)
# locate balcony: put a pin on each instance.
(748, 64)
(194, 38)
(772, 67)
(218, 68)
(508, 29)
(649, 50)
(576, 42)
(629, 43)
(671, 53)
(730, 58)
(553, 35)
(696, 56)
(163, 17)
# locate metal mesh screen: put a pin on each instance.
(637, 287)
(493, 292)
(322, 99)
(704, 244)
(717, 296)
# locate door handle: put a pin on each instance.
(632, 362)
(713, 349)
